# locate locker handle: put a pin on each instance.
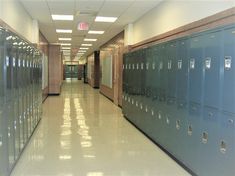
(210, 114)
(230, 121)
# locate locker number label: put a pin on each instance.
(192, 63)
(179, 64)
(208, 63)
(227, 62)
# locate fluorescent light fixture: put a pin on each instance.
(90, 40)
(105, 19)
(81, 51)
(65, 44)
(64, 31)
(62, 17)
(65, 39)
(86, 44)
(95, 32)
(83, 48)
(65, 48)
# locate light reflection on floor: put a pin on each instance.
(82, 133)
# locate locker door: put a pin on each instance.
(9, 100)
(131, 88)
(156, 93)
(171, 96)
(152, 92)
(210, 124)
(125, 56)
(212, 68)
(162, 111)
(226, 142)
(15, 106)
(181, 122)
(147, 124)
(21, 97)
(142, 72)
(228, 100)
(24, 103)
(226, 145)
(3, 120)
(195, 99)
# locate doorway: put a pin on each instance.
(71, 71)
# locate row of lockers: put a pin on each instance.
(181, 93)
(20, 96)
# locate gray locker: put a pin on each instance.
(195, 101)
(226, 145)
(163, 119)
(190, 100)
(16, 92)
(181, 114)
(3, 122)
(228, 100)
(213, 52)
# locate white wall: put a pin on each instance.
(14, 14)
(171, 14)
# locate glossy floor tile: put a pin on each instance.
(82, 133)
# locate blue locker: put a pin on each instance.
(142, 84)
(212, 42)
(181, 121)
(3, 120)
(156, 92)
(195, 101)
(228, 100)
(125, 84)
(226, 145)
(171, 108)
(164, 120)
(147, 124)
(210, 124)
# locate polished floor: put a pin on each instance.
(82, 133)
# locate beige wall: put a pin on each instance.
(172, 14)
(13, 14)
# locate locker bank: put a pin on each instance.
(117, 88)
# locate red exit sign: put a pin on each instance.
(83, 26)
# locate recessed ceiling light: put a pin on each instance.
(65, 39)
(62, 17)
(65, 44)
(86, 44)
(83, 48)
(64, 31)
(95, 32)
(105, 19)
(65, 48)
(90, 40)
